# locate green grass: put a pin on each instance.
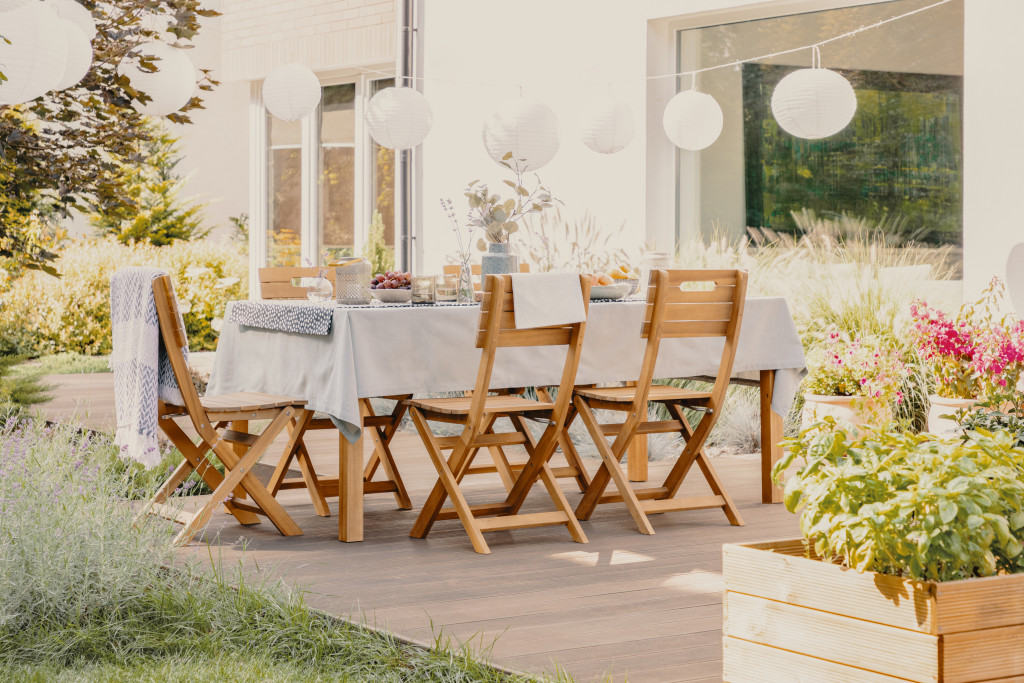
(86, 592)
(69, 363)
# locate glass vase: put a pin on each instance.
(466, 294)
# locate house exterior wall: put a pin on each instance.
(325, 35)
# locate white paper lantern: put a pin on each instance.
(77, 15)
(526, 128)
(172, 84)
(399, 118)
(8, 5)
(606, 126)
(692, 120)
(35, 58)
(79, 56)
(291, 92)
(813, 103)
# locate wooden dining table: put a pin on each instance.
(333, 355)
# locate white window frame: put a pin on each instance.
(259, 155)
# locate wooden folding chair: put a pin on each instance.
(573, 469)
(673, 310)
(276, 283)
(477, 414)
(212, 418)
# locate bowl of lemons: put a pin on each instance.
(624, 273)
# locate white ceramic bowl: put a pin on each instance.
(392, 296)
(616, 291)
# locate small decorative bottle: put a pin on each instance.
(320, 288)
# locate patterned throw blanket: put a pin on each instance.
(142, 370)
(283, 316)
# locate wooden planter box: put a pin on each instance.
(790, 618)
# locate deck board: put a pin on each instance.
(646, 607)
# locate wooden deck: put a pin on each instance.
(625, 604)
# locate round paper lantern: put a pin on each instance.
(813, 103)
(692, 120)
(291, 92)
(526, 128)
(77, 15)
(79, 56)
(35, 58)
(606, 126)
(171, 85)
(399, 118)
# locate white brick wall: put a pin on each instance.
(258, 35)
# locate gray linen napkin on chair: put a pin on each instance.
(142, 370)
(543, 299)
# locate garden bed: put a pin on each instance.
(793, 617)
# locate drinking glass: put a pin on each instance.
(423, 289)
(447, 288)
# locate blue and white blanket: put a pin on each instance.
(142, 370)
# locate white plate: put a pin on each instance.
(610, 291)
(392, 296)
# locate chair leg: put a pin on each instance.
(240, 471)
(382, 454)
(296, 449)
(610, 464)
(674, 480)
(562, 504)
(196, 456)
(451, 487)
(572, 456)
(508, 478)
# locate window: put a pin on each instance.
(337, 171)
(284, 192)
(325, 178)
(897, 165)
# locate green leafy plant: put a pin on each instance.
(995, 415)
(380, 256)
(157, 212)
(912, 505)
(240, 231)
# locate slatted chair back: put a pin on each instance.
(277, 282)
(693, 303)
(172, 332)
(497, 328)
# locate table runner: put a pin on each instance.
(301, 317)
(386, 350)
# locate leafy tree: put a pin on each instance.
(67, 148)
(159, 214)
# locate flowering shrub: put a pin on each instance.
(868, 367)
(976, 354)
(41, 314)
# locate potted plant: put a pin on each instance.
(909, 567)
(856, 381)
(976, 356)
(499, 218)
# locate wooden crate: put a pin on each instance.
(792, 618)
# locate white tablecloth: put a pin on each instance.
(379, 350)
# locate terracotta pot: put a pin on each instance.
(939, 406)
(869, 412)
